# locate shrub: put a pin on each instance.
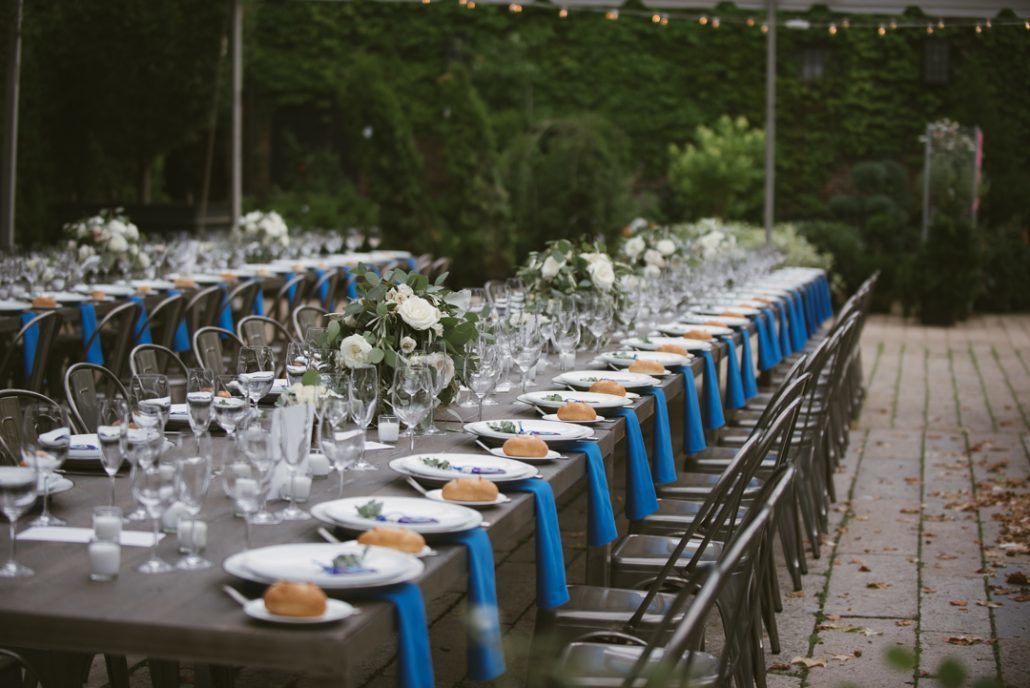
(721, 174)
(1006, 274)
(851, 262)
(947, 272)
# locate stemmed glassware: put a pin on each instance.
(192, 479)
(18, 488)
(296, 362)
(153, 487)
(256, 368)
(45, 437)
(527, 345)
(314, 342)
(412, 398)
(364, 402)
(342, 446)
(151, 401)
(433, 356)
(113, 433)
(261, 450)
(200, 394)
(229, 405)
(484, 376)
(566, 329)
(294, 444)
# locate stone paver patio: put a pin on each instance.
(931, 532)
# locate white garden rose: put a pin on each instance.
(117, 244)
(652, 271)
(418, 313)
(438, 329)
(602, 274)
(131, 232)
(301, 394)
(117, 228)
(666, 247)
(442, 363)
(354, 351)
(408, 345)
(399, 294)
(551, 268)
(654, 257)
(144, 260)
(85, 251)
(634, 247)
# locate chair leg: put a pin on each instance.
(117, 671)
(163, 673)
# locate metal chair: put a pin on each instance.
(47, 326)
(208, 350)
(85, 384)
(164, 318)
(152, 358)
(304, 317)
(329, 282)
(118, 327)
(203, 308)
(284, 303)
(257, 330)
(11, 402)
(240, 300)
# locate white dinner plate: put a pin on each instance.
(84, 446)
(652, 343)
(437, 496)
(234, 566)
(58, 484)
(109, 289)
(551, 456)
(625, 358)
(678, 329)
(335, 610)
(583, 379)
(199, 278)
(744, 309)
(547, 430)
(727, 320)
(492, 468)
(312, 562)
(64, 296)
(448, 518)
(555, 399)
(153, 285)
(9, 305)
(554, 416)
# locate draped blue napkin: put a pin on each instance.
(712, 408)
(141, 332)
(551, 589)
(641, 499)
(734, 385)
(765, 348)
(771, 337)
(693, 428)
(797, 322)
(181, 339)
(485, 652)
(323, 289)
(785, 345)
(747, 366)
(291, 293)
(352, 286)
(414, 660)
(88, 316)
(412, 263)
(663, 468)
(601, 527)
(259, 299)
(29, 341)
(827, 300)
(811, 316)
(225, 312)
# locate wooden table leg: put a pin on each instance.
(163, 673)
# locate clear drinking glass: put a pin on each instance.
(433, 355)
(262, 453)
(112, 431)
(412, 399)
(341, 445)
(200, 393)
(192, 480)
(256, 368)
(314, 342)
(45, 437)
(18, 488)
(229, 404)
(364, 403)
(294, 449)
(154, 488)
(484, 374)
(296, 362)
(150, 400)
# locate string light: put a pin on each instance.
(893, 25)
(929, 29)
(514, 8)
(656, 18)
(765, 28)
(702, 20)
(665, 21)
(979, 29)
(882, 30)
(426, 2)
(611, 15)
(751, 22)
(832, 29)
(988, 23)
(1026, 24)
(715, 22)
(471, 4)
(563, 13)
(940, 23)
(845, 24)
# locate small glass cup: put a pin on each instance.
(389, 428)
(105, 558)
(107, 524)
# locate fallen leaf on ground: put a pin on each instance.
(779, 666)
(928, 589)
(809, 663)
(966, 640)
(877, 585)
(1022, 598)
(904, 622)
(1017, 578)
(945, 556)
(796, 593)
(988, 603)
(957, 603)
(841, 658)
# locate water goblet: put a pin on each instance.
(411, 397)
(363, 388)
(112, 431)
(296, 362)
(192, 479)
(200, 393)
(45, 437)
(293, 445)
(153, 487)
(150, 400)
(256, 368)
(262, 453)
(18, 489)
(342, 446)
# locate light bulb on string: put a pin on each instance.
(665, 20)
(845, 24)
(715, 22)
(832, 29)
(750, 21)
(882, 30)
(929, 29)
(514, 8)
(940, 23)
(893, 25)
(463, 2)
(656, 18)
(563, 13)
(765, 28)
(979, 29)
(987, 24)
(611, 15)
(471, 4)
(702, 20)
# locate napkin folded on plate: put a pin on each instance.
(747, 366)
(663, 468)
(601, 528)
(693, 427)
(734, 384)
(130, 538)
(551, 588)
(641, 499)
(713, 417)
(485, 651)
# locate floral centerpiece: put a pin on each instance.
(566, 268)
(395, 317)
(649, 250)
(112, 237)
(263, 235)
(709, 238)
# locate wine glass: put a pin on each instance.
(516, 295)
(18, 488)
(150, 399)
(260, 448)
(528, 345)
(154, 488)
(112, 431)
(363, 390)
(412, 399)
(229, 405)
(200, 393)
(342, 446)
(256, 368)
(435, 357)
(485, 373)
(294, 444)
(45, 436)
(296, 362)
(192, 479)
(314, 342)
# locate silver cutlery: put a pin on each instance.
(327, 536)
(236, 595)
(417, 485)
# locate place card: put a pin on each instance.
(130, 538)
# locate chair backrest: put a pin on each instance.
(164, 318)
(307, 316)
(423, 263)
(208, 350)
(283, 303)
(329, 285)
(85, 384)
(439, 267)
(240, 300)
(11, 402)
(46, 327)
(258, 330)
(203, 308)
(154, 358)
(118, 328)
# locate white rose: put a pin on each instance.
(132, 232)
(85, 251)
(117, 228)
(593, 257)
(634, 247)
(144, 260)
(441, 363)
(407, 345)
(652, 271)
(438, 330)
(418, 313)
(399, 294)
(354, 351)
(602, 274)
(653, 257)
(117, 244)
(306, 394)
(550, 268)
(666, 247)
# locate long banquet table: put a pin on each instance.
(186, 617)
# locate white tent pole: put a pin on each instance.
(9, 173)
(236, 171)
(770, 119)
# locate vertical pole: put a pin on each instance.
(770, 119)
(926, 187)
(236, 179)
(9, 172)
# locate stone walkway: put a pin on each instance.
(931, 534)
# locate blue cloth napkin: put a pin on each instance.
(323, 289)
(259, 299)
(551, 589)
(352, 286)
(29, 341)
(291, 293)
(765, 349)
(825, 300)
(641, 499)
(747, 366)
(772, 338)
(601, 527)
(797, 323)
(663, 468)
(414, 660)
(785, 346)
(225, 320)
(734, 385)
(412, 263)
(808, 297)
(142, 330)
(88, 316)
(485, 652)
(181, 339)
(712, 408)
(693, 428)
